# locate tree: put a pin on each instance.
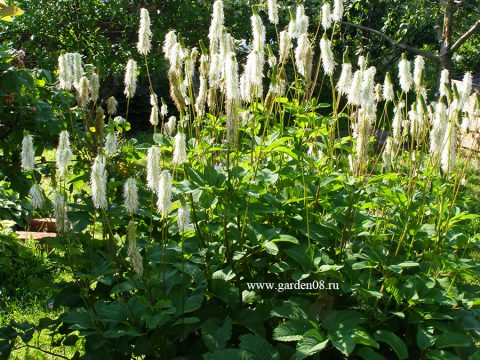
(445, 32)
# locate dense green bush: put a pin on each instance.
(26, 100)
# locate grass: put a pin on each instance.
(26, 299)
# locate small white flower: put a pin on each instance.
(83, 90)
(466, 87)
(98, 182)
(130, 79)
(303, 57)
(444, 81)
(164, 110)
(112, 105)
(65, 72)
(64, 153)
(355, 93)
(77, 69)
(285, 45)
(405, 74)
(272, 11)
(418, 71)
(133, 253)
(345, 80)
(153, 167)
(328, 61)
(180, 149)
(111, 143)
(164, 202)
(216, 26)
(28, 156)
(437, 133)
(387, 154)
(144, 44)
(130, 196)
(232, 89)
(379, 92)
(301, 22)
(183, 217)
(397, 123)
(326, 16)
(170, 41)
(171, 126)
(94, 87)
(337, 11)
(36, 196)
(60, 207)
(388, 92)
(449, 151)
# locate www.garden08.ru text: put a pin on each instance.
(280, 287)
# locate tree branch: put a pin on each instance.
(392, 42)
(465, 37)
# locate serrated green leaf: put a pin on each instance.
(312, 343)
(292, 330)
(397, 344)
(270, 247)
(258, 347)
(343, 341)
(342, 319)
(215, 334)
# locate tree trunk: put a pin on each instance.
(446, 42)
